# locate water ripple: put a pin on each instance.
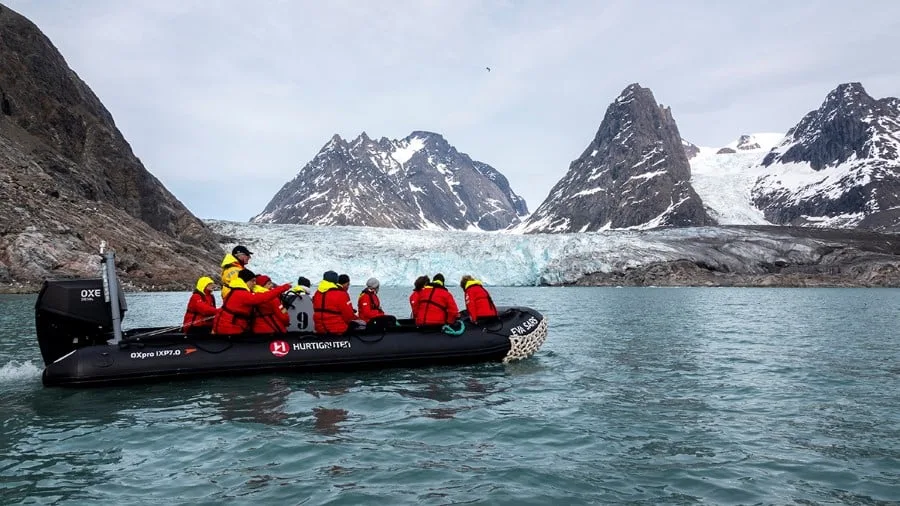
(687, 396)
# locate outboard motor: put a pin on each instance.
(73, 313)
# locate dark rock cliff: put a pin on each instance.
(634, 174)
(69, 180)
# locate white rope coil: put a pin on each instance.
(524, 346)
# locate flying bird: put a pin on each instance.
(488, 69)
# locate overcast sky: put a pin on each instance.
(225, 104)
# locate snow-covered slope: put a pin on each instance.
(723, 180)
(838, 167)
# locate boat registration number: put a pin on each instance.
(525, 327)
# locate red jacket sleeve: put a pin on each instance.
(413, 302)
(452, 310)
(347, 309)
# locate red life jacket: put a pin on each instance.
(478, 301)
(200, 310)
(236, 315)
(332, 310)
(270, 318)
(369, 305)
(436, 306)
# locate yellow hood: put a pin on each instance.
(238, 283)
(472, 282)
(324, 286)
(203, 282)
(229, 259)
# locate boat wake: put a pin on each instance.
(15, 371)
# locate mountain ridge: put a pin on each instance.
(418, 182)
(633, 174)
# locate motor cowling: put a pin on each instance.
(72, 313)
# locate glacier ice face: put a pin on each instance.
(397, 257)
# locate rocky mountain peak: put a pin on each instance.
(747, 142)
(634, 174)
(420, 181)
(850, 147)
(849, 123)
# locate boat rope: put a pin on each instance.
(166, 330)
(525, 345)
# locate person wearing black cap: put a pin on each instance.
(302, 285)
(332, 310)
(232, 264)
(298, 303)
(238, 307)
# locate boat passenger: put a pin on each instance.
(332, 310)
(271, 318)
(436, 305)
(201, 308)
(236, 314)
(478, 301)
(369, 303)
(418, 285)
(302, 285)
(231, 265)
(344, 283)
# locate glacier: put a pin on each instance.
(396, 257)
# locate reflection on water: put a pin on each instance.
(327, 420)
(265, 404)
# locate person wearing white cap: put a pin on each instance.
(369, 303)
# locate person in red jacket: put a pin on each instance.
(369, 304)
(236, 314)
(419, 284)
(332, 310)
(436, 305)
(271, 318)
(201, 308)
(478, 301)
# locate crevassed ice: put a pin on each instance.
(396, 257)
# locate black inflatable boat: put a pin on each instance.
(79, 332)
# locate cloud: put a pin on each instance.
(250, 93)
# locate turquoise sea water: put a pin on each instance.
(639, 396)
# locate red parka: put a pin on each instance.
(369, 305)
(332, 309)
(436, 305)
(201, 308)
(478, 301)
(236, 314)
(269, 318)
(414, 302)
